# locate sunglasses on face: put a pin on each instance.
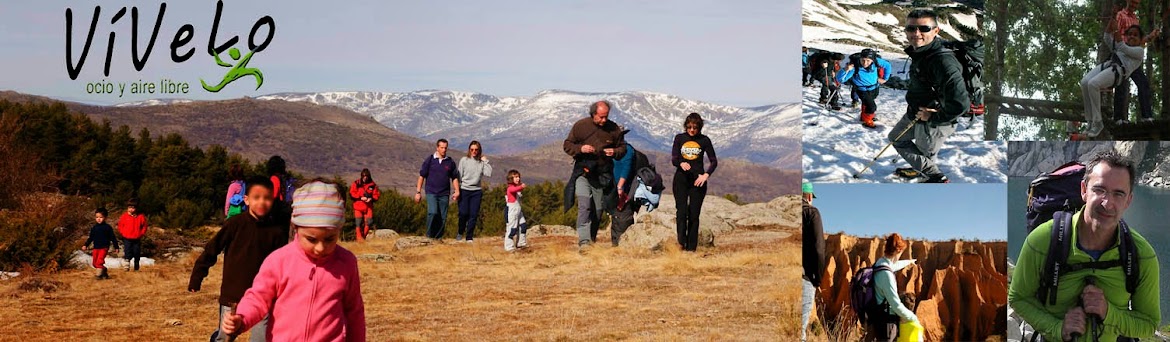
(692, 127)
(919, 28)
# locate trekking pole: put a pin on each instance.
(1094, 320)
(232, 336)
(879, 155)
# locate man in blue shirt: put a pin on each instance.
(441, 177)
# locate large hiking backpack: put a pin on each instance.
(236, 204)
(970, 56)
(863, 295)
(1056, 196)
(1059, 190)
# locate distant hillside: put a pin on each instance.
(327, 140)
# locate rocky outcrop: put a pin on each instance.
(551, 230)
(408, 242)
(959, 287)
(651, 230)
(1031, 158)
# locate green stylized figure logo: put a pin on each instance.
(236, 72)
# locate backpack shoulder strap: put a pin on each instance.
(1058, 249)
(1129, 258)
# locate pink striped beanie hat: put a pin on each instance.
(318, 204)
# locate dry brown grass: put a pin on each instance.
(746, 289)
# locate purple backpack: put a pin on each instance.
(863, 296)
(1059, 190)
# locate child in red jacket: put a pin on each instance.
(364, 193)
(132, 226)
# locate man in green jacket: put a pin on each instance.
(935, 98)
(1091, 295)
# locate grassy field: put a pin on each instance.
(745, 289)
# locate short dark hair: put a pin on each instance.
(1114, 159)
(258, 181)
(593, 108)
(132, 202)
(235, 172)
(1136, 27)
(923, 13)
(442, 141)
(277, 166)
(102, 211)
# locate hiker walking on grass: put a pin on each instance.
(245, 241)
(101, 235)
(1128, 53)
(472, 170)
(884, 325)
(310, 288)
(515, 236)
(441, 177)
(936, 97)
(1101, 283)
(593, 142)
(364, 193)
(812, 255)
(864, 76)
(690, 179)
(132, 226)
(233, 204)
(622, 215)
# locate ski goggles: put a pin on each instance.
(919, 28)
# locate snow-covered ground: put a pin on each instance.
(840, 26)
(112, 262)
(837, 146)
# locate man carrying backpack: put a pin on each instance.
(936, 97)
(1086, 276)
(813, 255)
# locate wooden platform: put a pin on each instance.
(1158, 129)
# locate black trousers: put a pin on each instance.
(133, 250)
(688, 203)
(868, 100)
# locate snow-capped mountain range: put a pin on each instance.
(848, 26)
(768, 135)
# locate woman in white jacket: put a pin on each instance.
(1128, 54)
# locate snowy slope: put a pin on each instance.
(767, 135)
(849, 26)
(838, 146)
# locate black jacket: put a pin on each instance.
(102, 236)
(813, 247)
(245, 242)
(936, 81)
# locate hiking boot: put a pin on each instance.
(837, 107)
(584, 249)
(907, 172)
(1122, 122)
(869, 124)
(458, 237)
(1147, 120)
(854, 105)
(126, 265)
(939, 178)
(977, 109)
(523, 241)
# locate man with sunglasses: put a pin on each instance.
(936, 98)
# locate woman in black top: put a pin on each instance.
(690, 178)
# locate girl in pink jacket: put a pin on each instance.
(311, 287)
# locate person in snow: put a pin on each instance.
(1107, 190)
(690, 179)
(473, 169)
(593, 142)
(310, 289)
(883, 71)
(865, 77)
(813, 255)
(364, 193)
(935, 98)
(886, 293)
(440, 175)
(1123, 19)
(245, 241)
(824, 73)
(804, 72)
(1128, 54)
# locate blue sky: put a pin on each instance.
(741, 53)
(921, 211)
